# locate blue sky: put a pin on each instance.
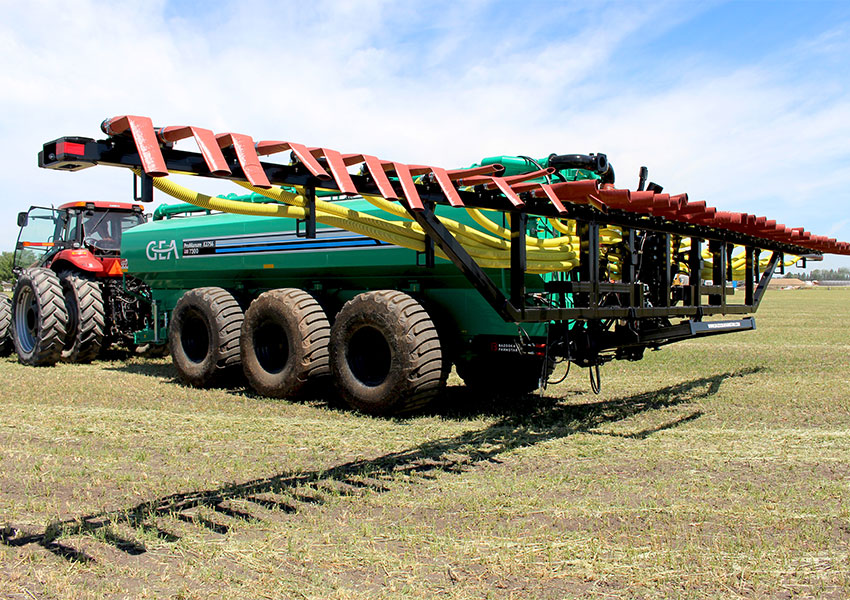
(743, 104)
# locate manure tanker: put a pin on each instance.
(381, 275)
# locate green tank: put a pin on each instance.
(183, 249)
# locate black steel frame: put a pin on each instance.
(591, 294)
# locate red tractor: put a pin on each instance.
(71, 298)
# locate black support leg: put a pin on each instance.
(519, 262)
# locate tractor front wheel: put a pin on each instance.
(385, 354)
(39, 317)
(204, 336)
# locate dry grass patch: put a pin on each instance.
(714, 468)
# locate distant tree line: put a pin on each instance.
(840, 274)
(6, 266)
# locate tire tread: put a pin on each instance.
(91, 320)
(425, 374)
(227, 317)
(311, 334)
(53, 317)
(6, 345)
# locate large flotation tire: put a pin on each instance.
(385, 354)
(204, 336)
(284, 343)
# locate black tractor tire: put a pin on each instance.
(385, 354)
(39, 317)
(284, 343)
(204, 336)
(86, 320)
(503, 375)
(5, 325)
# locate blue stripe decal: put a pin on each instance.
(273, 239)
(303, 245)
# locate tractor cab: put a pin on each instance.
(87, 231)
(72, 254)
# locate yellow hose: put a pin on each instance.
(401, 234)
(567, 229)
(475, 244)
(545, 255)
(278, 210)
(471, 235)
(459, 229)
(738, 260)
(230, 206)
(505, 233)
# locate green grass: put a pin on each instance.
(713, 468)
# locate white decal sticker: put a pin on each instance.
(727, 325)
(161, 250)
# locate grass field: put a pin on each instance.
(713, 468)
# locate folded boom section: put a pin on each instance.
(600, 252)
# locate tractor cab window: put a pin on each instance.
(71, 229)
(39, 235)
(103, 229)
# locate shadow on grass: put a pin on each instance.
(522, 425)
(149, 369)
(458, 402)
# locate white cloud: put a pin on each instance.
(430, 83)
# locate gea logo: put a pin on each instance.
(161, 250)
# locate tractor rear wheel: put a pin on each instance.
(39, 317)
(385, 354)
(284, 343)
(86, 322)
(204, 336)
(5, 325)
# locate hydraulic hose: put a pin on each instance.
(401, 234)
(596, 163)
(544, 255)
(293, 211)
(505, 233)
(476, 243)
(230, 206)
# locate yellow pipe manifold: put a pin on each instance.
(487, 251)
(491, 249)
